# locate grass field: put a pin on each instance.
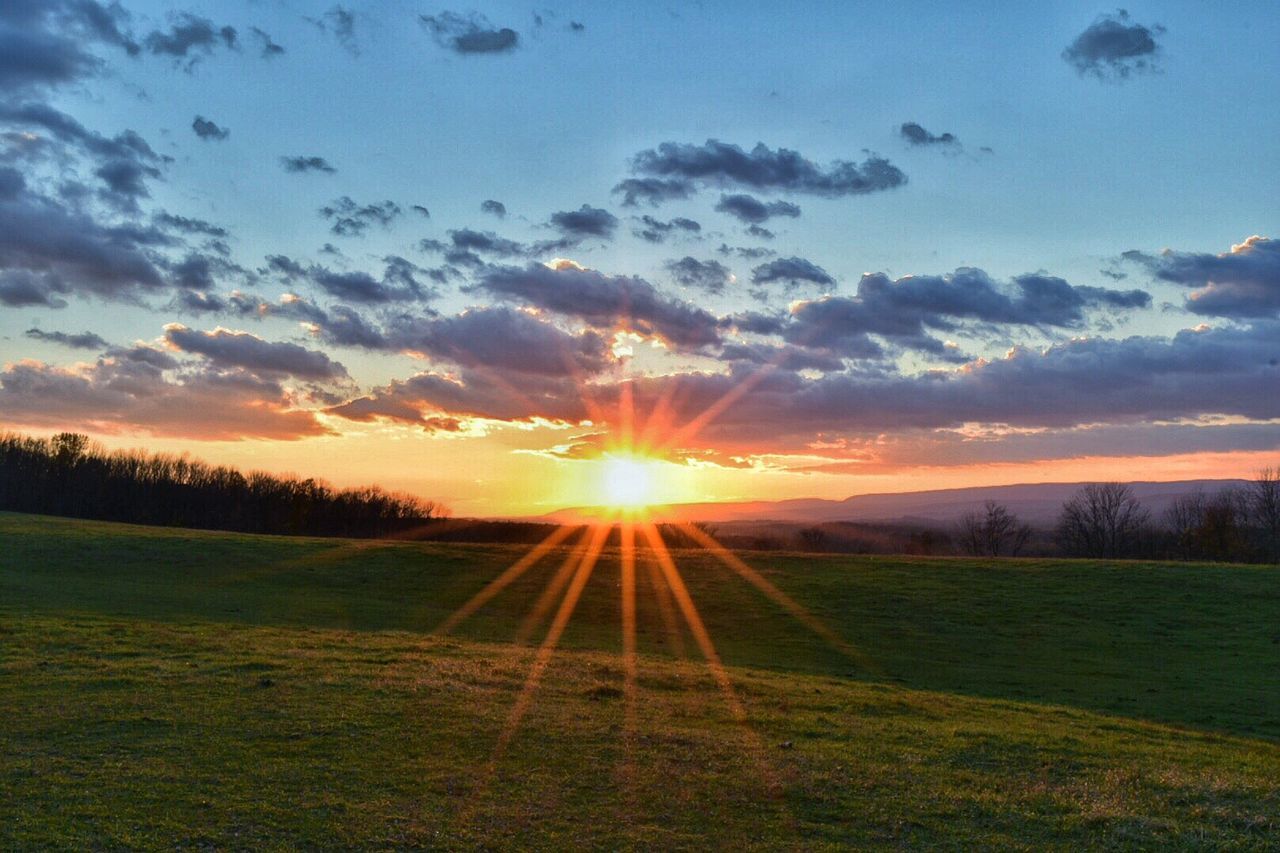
(170, 688)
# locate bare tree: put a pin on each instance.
(1184, 518)
(1264, 510)
(994, 532)
(812, 538)
(1102, 520)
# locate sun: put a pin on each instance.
(627, 482)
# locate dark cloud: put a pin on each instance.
(24, 288)
(188, 38)
(761, 232)
(751, 210)
(1231, 372)
(722, 164)
(503, 340)
(905, 310)
(750, 253)
(784, 357)
(124, 162)
(586, 221)
(577, 26)
(129, 391)
(43, 43)
(399, 282)
(1115, 48)
(466, 245)
(189, 225)
(422, 399)
(1243, 283)
(352, 220)
(656, 230)
(603, 300)
(917, 135)
(81, 340)
(227, 348)
(421, 211)
(340, 22)
(496, 208)
(268, 47)
(792, 272)
(206, 129)
(46, 246)
(302, 164)
(653, 191)
(469, 33)
(711, 276)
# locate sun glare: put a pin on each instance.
(627, 482)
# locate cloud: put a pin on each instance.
(716, 163)
(503, 340)
(603, 300)
(586, 221)
(189, 225)
(44, 44)
(422, 399)
(466, 245)
(352, 220)
(656, 230)
(469, 33)
(752, 211)
(302, 164)
(268, 47)
(227, 348)
(494, 208)
(206, 129)
(1242, 283)
(711, 276)
(1114, 48)
(905, 310)
(47, 248)
(653, 191)
(188, 38)
(128, 391)
(750, 253)
(123, 162)
(340, 22)
(792, 272)
(914, 134)
(421, 210)
(82, 340)
(23, 288)
(399, 282)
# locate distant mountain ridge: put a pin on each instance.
(1035, 503)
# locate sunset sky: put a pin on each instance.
(435, 248)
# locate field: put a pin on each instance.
(170, 688)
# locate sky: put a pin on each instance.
(824, 250)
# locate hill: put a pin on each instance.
(190, 689)
(1035, 503)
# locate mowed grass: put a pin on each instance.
(170, 688)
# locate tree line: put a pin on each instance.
(1235, 524)
(70, 475)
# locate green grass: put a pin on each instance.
(171, 688)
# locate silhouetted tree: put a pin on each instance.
(994, 532)
(1264, 511)
(1102, 520)
(68, 475)
(812, 538)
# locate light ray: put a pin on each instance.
(505, 579)
(588, 548)
(786, 602)
(547, 650)
(666, 609)
(705, 644)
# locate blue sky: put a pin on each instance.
(1055, 171)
